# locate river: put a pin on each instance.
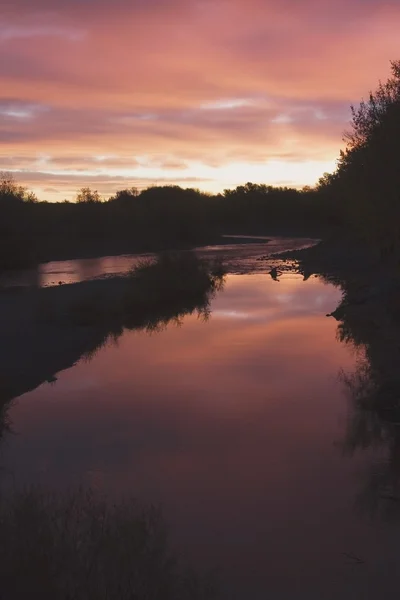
(237, 427)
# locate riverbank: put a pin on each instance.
(19, 256)
(90, 249)
(368, 317)
(37, 341)
(238, 257)
(47, 330)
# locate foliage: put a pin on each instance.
(11, 191)
(156, 218)
(69, 322)
(366, 183)
(371, 115)
(88, 196)
(154, 293)
(125, 197)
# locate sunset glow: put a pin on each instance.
(200, 93)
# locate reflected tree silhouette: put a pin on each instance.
(369, 429)
(69, 323)
(4, 421)
(373, 391)
(368, 321)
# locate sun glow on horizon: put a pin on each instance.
(196, 175)
(207, 102)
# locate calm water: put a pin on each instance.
(236, 426)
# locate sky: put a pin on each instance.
(201, 93)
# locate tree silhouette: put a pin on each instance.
(367, 180)
(88, 196)
(10, 190)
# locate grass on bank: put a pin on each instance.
(78, 546)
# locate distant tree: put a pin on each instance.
(125, 197)
(8, 185)
(88, 196)
(30, 197)
(11, 190)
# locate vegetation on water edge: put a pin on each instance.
(79, 546)
(157, 218)
(365, 185)
(368, 320)
(154, 291)
(46, 330)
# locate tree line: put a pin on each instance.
(361, 196)
(152, 219)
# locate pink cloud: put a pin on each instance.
(135, 78)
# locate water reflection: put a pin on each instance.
(230, 425)
(372, 427)
(370, 327)
(46, 330)
(241, 258)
